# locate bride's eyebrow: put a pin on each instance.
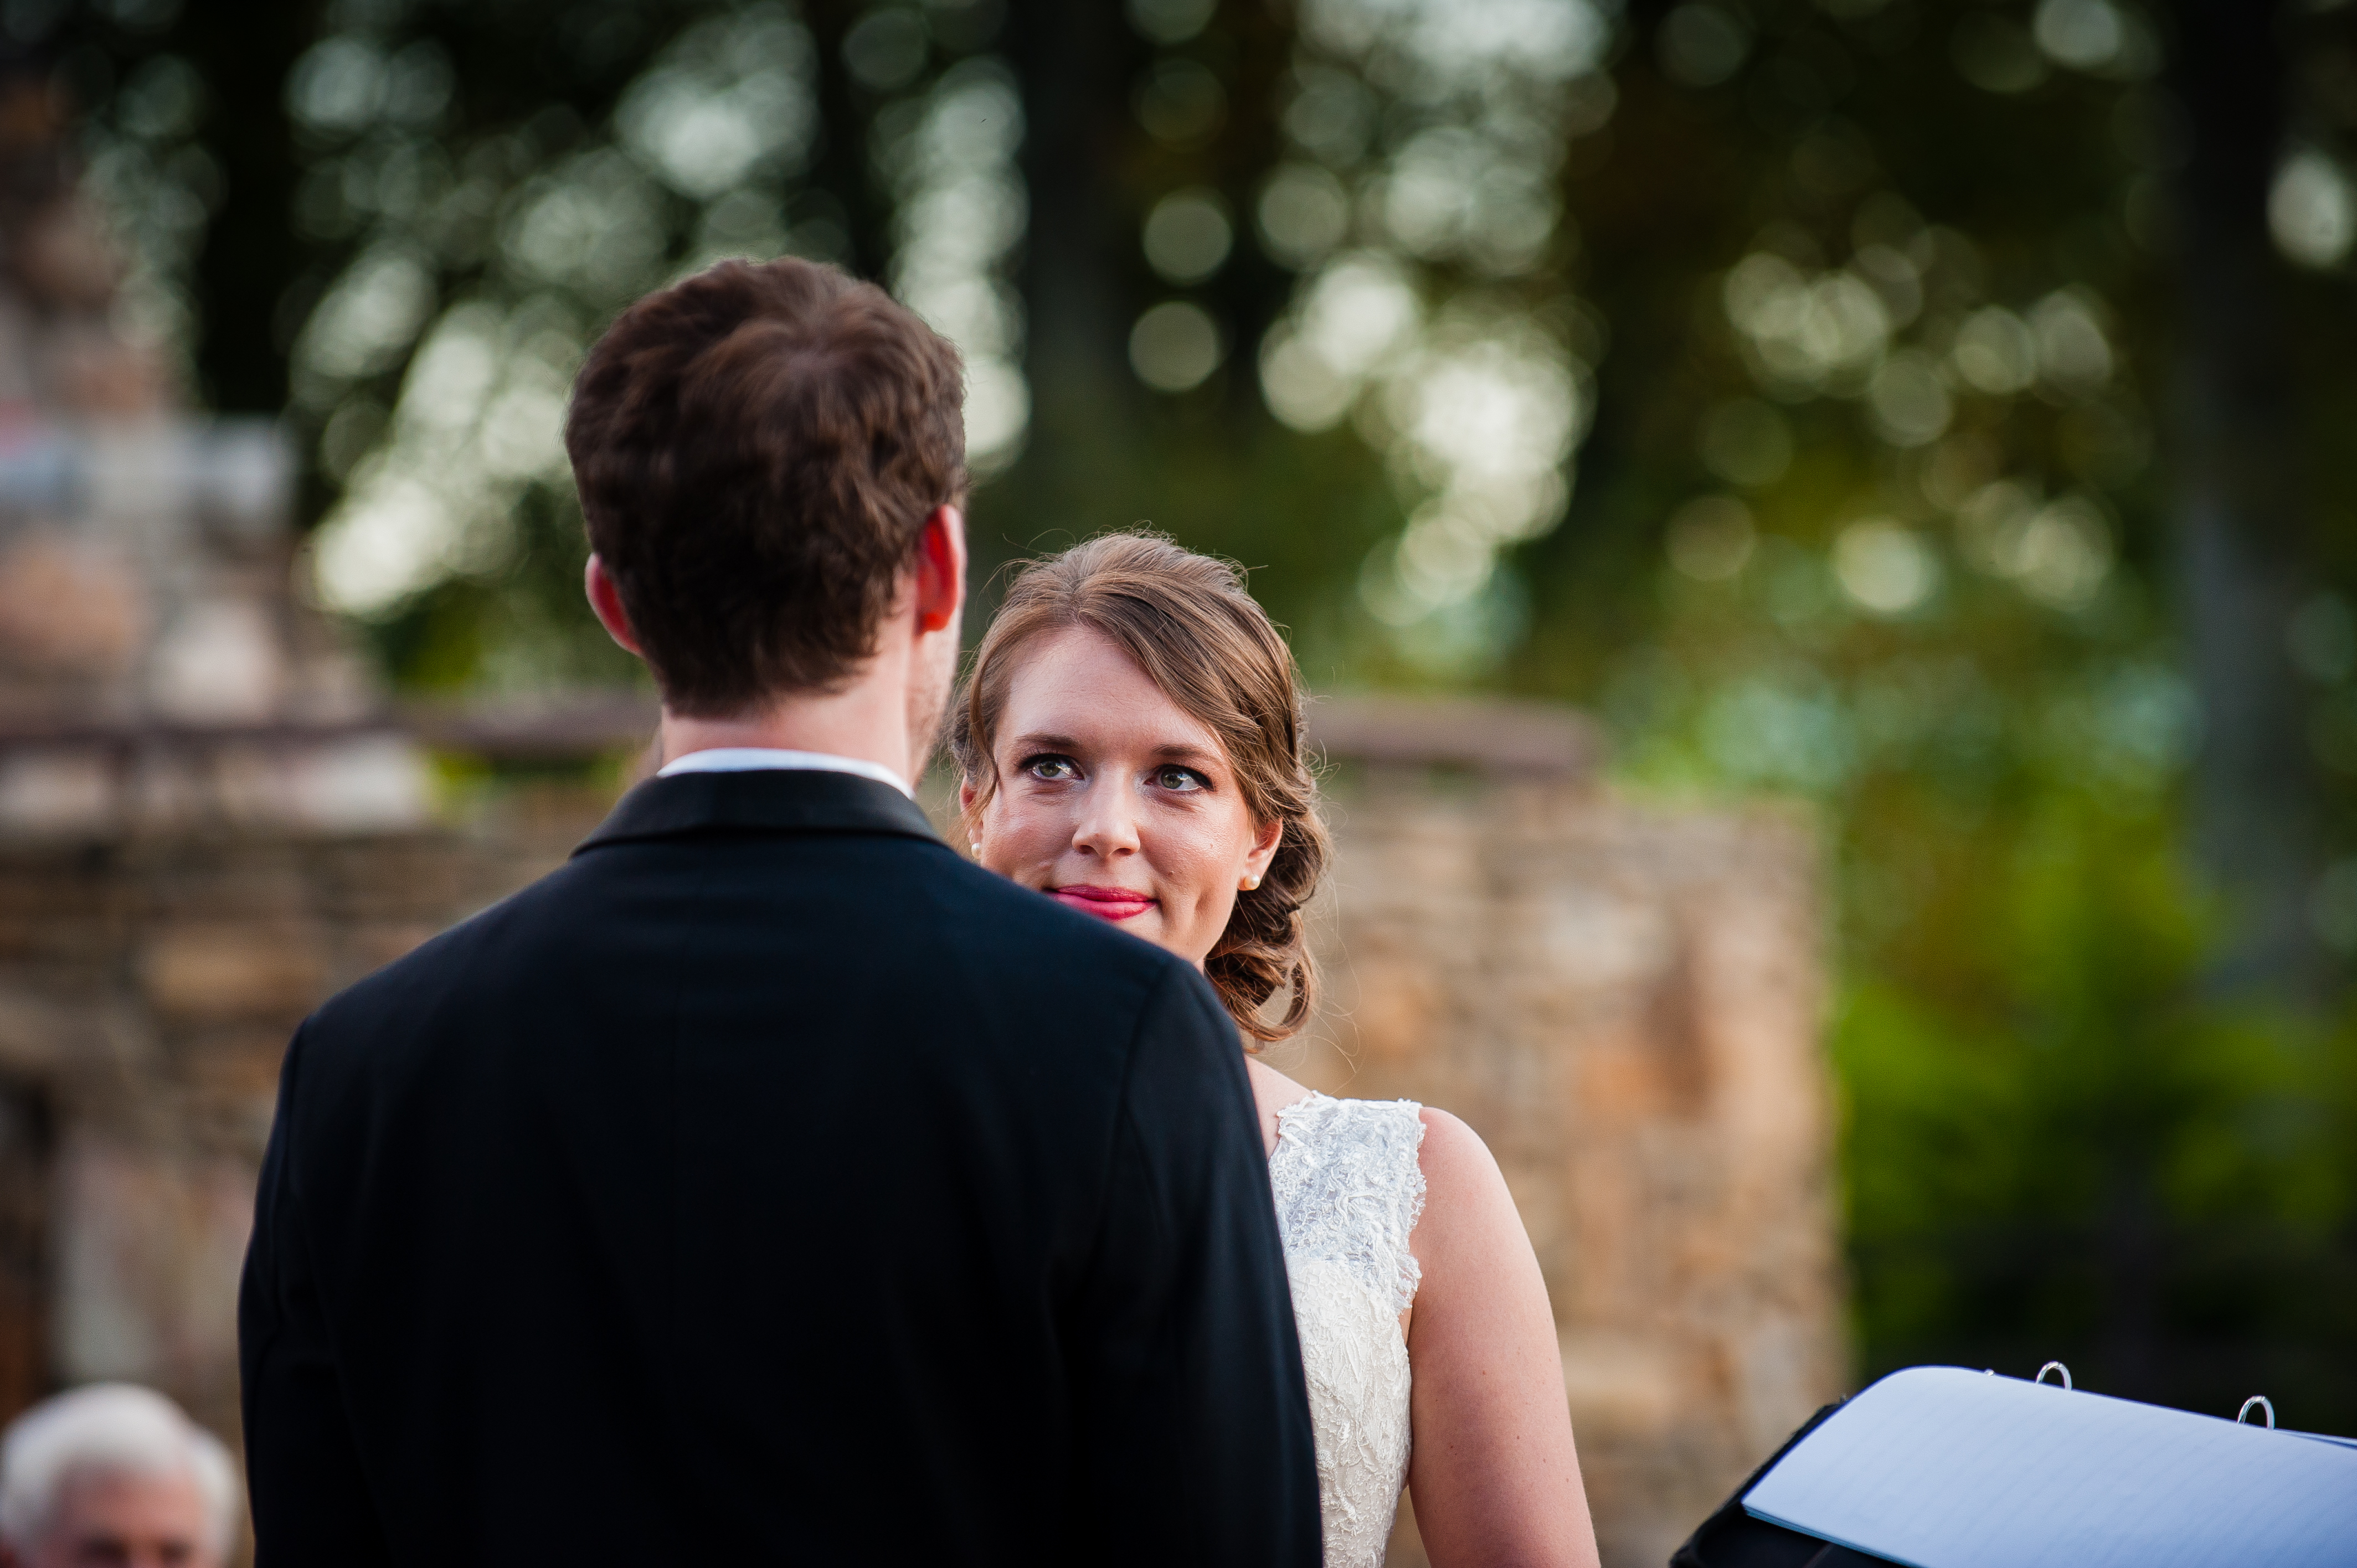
(1176, 751)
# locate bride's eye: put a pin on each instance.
(1183, 780)
(1052, 770)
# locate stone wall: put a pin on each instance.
(1624, 1002)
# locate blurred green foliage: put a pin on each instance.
(2069, 1155)
(1831, 395)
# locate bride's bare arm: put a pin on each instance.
(1494, 1474)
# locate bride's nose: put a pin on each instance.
(1107, 826)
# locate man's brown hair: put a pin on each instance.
(758, 448)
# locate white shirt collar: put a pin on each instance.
(754, 758)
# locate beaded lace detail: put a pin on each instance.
(1349, 1192)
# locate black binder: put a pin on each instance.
(1731, 1537)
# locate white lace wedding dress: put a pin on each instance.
(1349, 1191)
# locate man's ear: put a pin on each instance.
(606, 598)
(941, 569)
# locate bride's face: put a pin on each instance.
(1115, 801)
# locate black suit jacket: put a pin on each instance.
(770, 1186)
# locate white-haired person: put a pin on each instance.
(112, 1476)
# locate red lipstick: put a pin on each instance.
(1114, 903)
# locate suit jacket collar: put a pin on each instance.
(773, 801)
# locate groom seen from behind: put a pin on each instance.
(769, 1183)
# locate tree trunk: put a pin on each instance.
(1076, 60)
(842, 168)
(2242, 551)
(247, 266)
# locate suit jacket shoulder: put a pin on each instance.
(1010, 967)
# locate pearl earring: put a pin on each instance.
(1250, 882)
(976, 847)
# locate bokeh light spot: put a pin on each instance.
(1996, 54)
(1175, 345)
(1702, 45)
(1994, 351)
(2073, 352)
(1711, 537)
(1170, 21)
(1188, 235)
(2311, 210)
(1331, 115)
(1885, 568)
(2085, 35)
(1908, 402)
(1181, 102)
(1304, 213)
(886, 49)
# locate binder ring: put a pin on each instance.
(2263, 1404)
(2059, 1366)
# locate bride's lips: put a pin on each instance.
(1114, 903)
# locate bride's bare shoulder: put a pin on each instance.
(1272, 1092)
(1465, 1204)
(1451, 1152)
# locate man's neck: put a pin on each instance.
(862, 722)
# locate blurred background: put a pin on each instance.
(1927, 415)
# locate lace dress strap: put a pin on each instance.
(1349, 1190)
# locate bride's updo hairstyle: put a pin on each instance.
(1210, 648)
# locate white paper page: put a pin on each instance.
(1942, 1467)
